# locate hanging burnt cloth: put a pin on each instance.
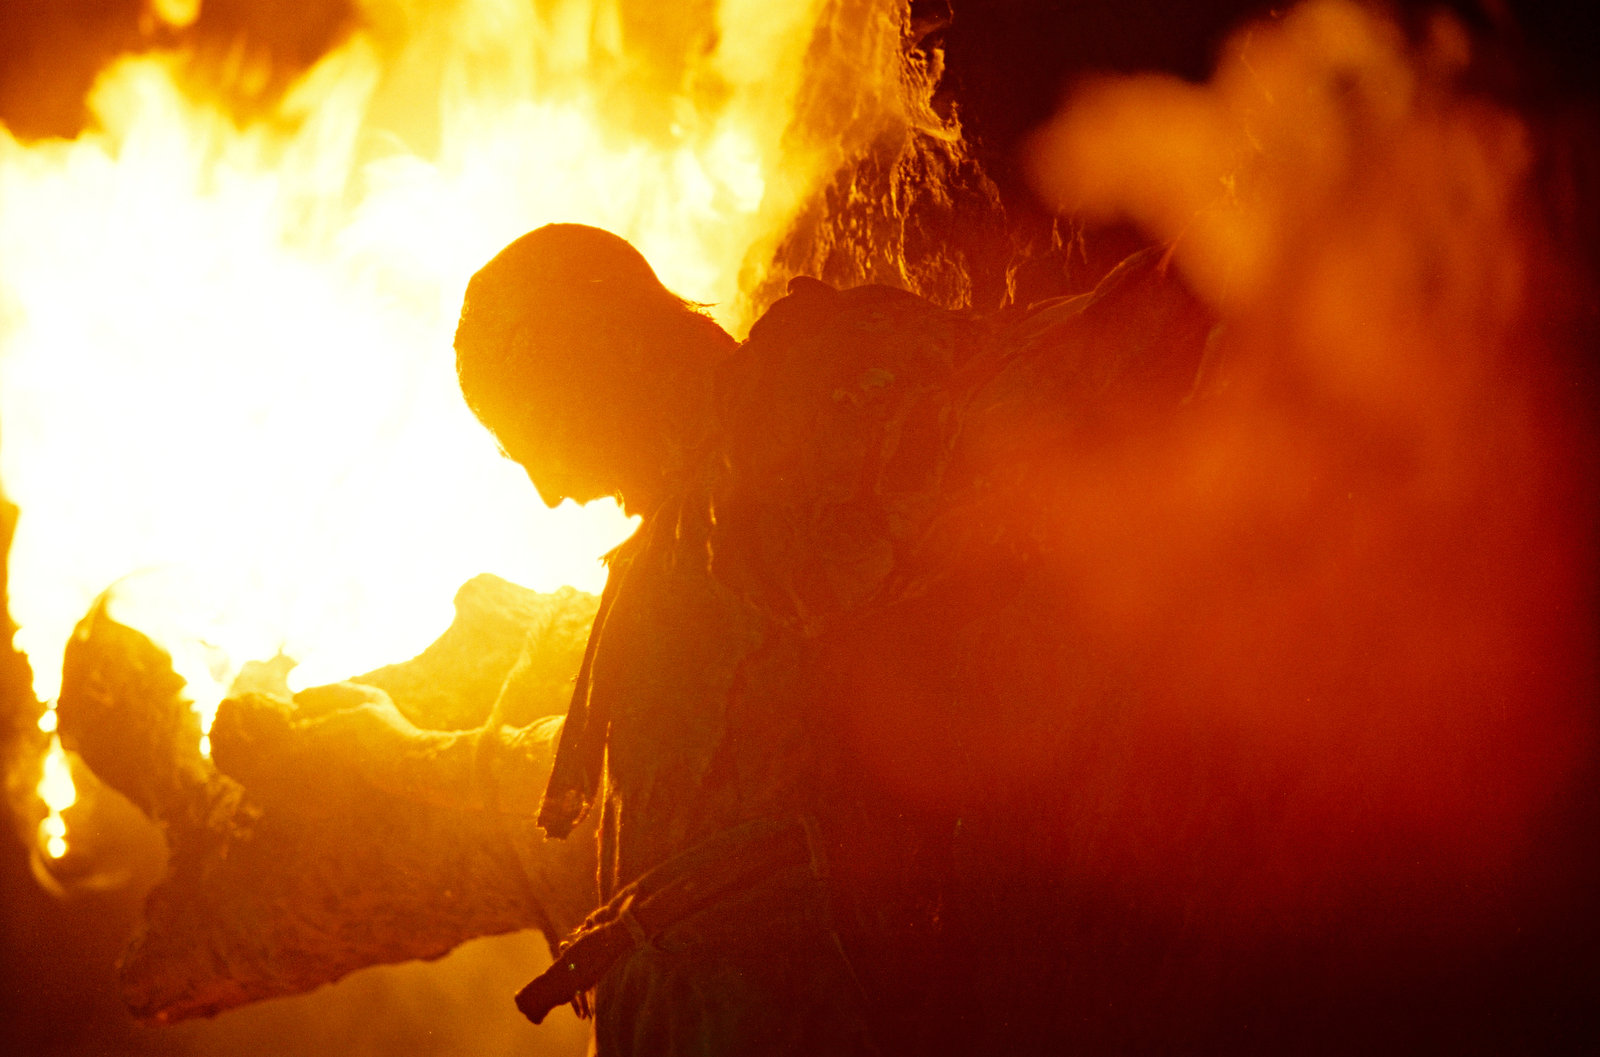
(580, 752)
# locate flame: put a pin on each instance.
(58, 793)
(55, 784)
(225, 345)
(179, 14)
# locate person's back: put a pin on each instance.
(793, 716)
(888, 466)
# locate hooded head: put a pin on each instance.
(587, 370)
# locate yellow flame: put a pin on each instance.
(57, 791)
(179, 14)
(55, 783)
(225, 347)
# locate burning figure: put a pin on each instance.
(778, 872)
(599, 382)
(1112, 672)
(887, 712)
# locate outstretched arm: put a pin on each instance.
(348, 732)
(342, 833)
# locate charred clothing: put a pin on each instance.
(860, 511)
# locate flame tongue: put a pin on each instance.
(58, 793)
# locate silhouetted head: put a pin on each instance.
(588, 371)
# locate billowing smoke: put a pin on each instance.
(1365, 558)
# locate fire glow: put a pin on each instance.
(225, 345)
(58, 793)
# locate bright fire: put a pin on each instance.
(225, 346)
(58, 793)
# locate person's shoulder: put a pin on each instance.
(817, 331)
(835, 426)
(853, 357)
(811, 303)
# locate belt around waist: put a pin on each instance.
(683, 885)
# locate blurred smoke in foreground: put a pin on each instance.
(1368, 553)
